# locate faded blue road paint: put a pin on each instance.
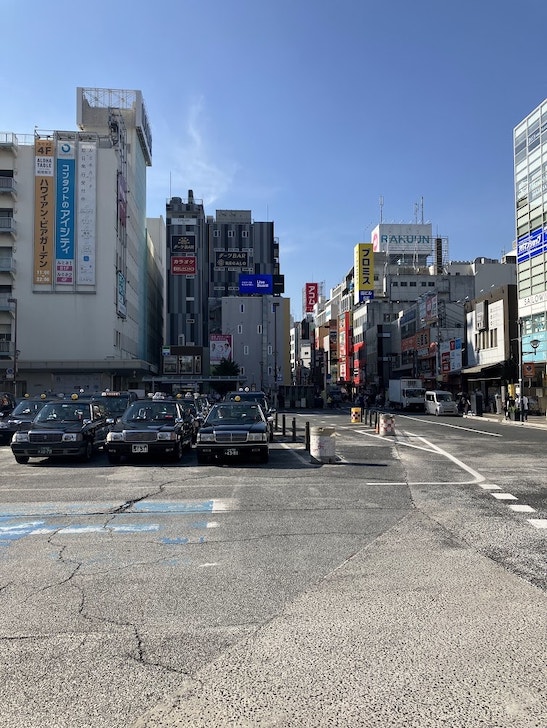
(56, 509)
(10, 531)
(173, 507)
(175, 540)
(181, 541)
(13, 530)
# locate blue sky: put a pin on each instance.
(304, 111)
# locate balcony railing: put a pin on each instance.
(8, 141)
(8, 185)
(7, 264)
(7, 225)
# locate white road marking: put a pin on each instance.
(504, 496)
(523, 509)
(538, 522)
(457, 427)
(489, 486)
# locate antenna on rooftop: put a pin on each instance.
(422, 205)
(381, 208)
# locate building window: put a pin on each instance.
(395, 284)
(244, 233)
(216, 233)
(231, 234)
(413, 284)
(246, 350)
(270, 349)
(431, 284)
(242, 308)
(240, 328)
(259, 329)
(242, 371)
(404, 284)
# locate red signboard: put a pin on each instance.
(183, 265)
(312, 296)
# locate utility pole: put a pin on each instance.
(14, 301)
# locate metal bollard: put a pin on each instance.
(307, 437)
(284, 429)
(294, 429)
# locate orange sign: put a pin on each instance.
(44, 209)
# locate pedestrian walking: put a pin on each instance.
(522, 407)
(509, 408)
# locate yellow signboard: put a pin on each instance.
(363, 272)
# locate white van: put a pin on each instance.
(438, 402)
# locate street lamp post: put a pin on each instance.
(534, 343)
(14, 301)
(275, 307)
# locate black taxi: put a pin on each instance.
(158, 427)
(23, 414)
(75, 427)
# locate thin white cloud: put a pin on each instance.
(188, 159)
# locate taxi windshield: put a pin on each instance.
(61, 412)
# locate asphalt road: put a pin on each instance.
(402, 584)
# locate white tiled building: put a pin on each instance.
(81, 278)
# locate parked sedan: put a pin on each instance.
(66, 428)
(115, 402)
(233, 430)
(249, 395)
(23, 414)
(157, 427)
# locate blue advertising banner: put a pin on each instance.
(253, 283)
(65, 213)
(530, 245)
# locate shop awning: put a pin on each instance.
(493, 369)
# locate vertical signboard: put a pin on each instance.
(121, 300)
(312, 296)
(220, 347)
(44, 210)
(363, 272)
(65, 228)
(87, 212)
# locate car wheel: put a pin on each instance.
(88, 452)
(113, 459)
(21, 459)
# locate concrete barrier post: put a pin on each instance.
(387, 425)
(323, 444)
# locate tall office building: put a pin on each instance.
(530, 169)
(215, 264)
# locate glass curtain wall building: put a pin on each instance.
(530, 170)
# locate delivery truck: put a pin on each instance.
(406, 394)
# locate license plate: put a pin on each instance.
(45, 450)
(139, 448)
(231, 451)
